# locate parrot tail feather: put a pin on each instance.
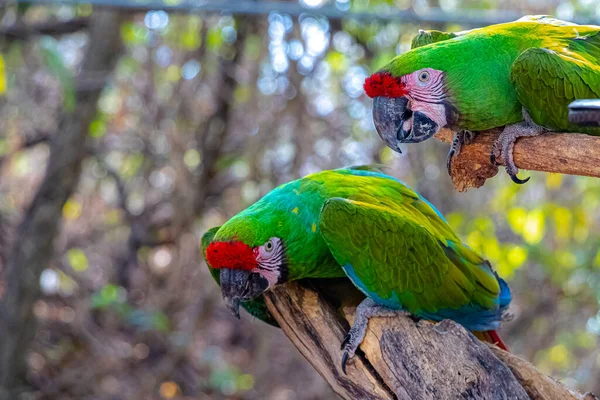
(491, 337)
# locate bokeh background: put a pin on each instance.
(208, 110)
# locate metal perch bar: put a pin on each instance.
(467, 18)
(585, 112)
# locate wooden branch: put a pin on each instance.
(564, 153)
(402, 358)
(537, 385)
(21, 31)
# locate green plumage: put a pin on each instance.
(427, 37)
(392, 243)
(398, 255)
(538, 62)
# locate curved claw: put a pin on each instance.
(345, 341)
(344, 361)
(493, 159)
(449, 160)
(519, 181)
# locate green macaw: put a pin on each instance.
(521, 75)
(362, 224)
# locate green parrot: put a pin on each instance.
(520, 75)
(358, 223)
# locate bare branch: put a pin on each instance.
(26, 143)
(21, 31)
(121, 190)
(402, 358)
(537, 385)
(563, 153)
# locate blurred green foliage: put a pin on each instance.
(56, 65)
(113, 298)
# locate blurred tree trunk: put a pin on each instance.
(33, 248)
(212, 136)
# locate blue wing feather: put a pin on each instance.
(476, 318)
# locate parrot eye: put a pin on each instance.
(424, 76)
(272, 248)
(271, 261)
(269, 246)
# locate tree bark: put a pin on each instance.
(33, 247)
(402, 358)
(564, 153)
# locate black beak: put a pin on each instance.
(422, 128)
(389, 116)
(397, 124)
(238, 286)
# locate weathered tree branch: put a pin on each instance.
(402, 358)
(33, 247)
(21, 31)
(563, 153)
(26, 143)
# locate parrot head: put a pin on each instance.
(408, 108)
(248, 265)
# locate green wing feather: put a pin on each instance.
(548, 79)
(257, 307)
(424, 38)
(398, 260)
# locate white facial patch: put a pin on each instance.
(435, 111)
(270, 258)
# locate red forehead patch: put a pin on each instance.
(233, 255)
(384, 84)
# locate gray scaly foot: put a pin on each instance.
(365, 310)
(460, 138)
(504, 145)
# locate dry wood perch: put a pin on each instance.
(402, 358)
(572, 153)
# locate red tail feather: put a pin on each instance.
(491, 337)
